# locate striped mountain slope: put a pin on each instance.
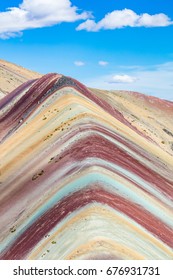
(86, 174)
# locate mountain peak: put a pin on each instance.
(84, 169)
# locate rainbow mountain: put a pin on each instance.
(85, 173)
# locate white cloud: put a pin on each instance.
(122, 79)
(103, 63)
(88, 25)
(124, 18)
(36, 14)
(79, 63)
(154, 80)
(157, 20)
(168, 66)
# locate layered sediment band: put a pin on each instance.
(85, 174)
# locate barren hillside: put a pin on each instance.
(12, 76)
(86, 173)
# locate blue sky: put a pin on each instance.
(115, 44)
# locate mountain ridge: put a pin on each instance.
(88, 174)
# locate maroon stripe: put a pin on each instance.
(108, 108)
(26, 104)
(100, 148)
(24, 244)
(9, 97)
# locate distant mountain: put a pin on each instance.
(86, 173)
(12, 76)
